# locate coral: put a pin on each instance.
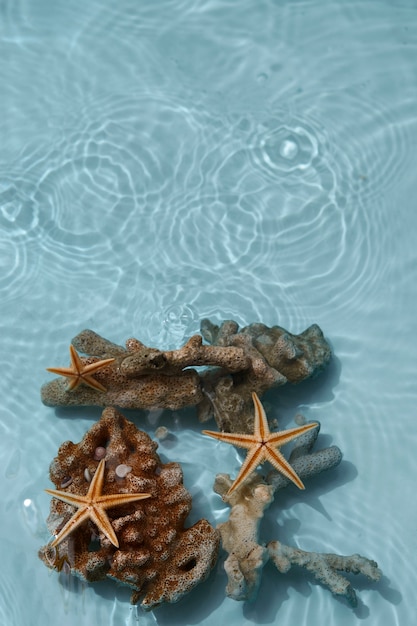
(157, 557)
(286, 357)
(124, 388)
(325, 567)
(236, 364)
(276, 357)
(263, 446)
(151, 551)
(247, 556)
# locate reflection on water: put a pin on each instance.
(165, 162)
(142, 177)
(10, 604)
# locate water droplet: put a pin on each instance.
(288, 149)
(31, 515)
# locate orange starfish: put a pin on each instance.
(262, 446)
(93, 506)
(79, 373)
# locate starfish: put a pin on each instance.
(262, 446)
(93, 506)
(79, 373)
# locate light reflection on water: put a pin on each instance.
(166, 162)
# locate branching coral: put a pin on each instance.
(247, 556)
(276, 357)
(157, 557)
(236, 364)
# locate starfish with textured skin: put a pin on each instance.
(79, 373)
(262, 446)
(93, 506)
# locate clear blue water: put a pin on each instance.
(166, 161)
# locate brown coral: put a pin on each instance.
(157, 557)
(237, 363)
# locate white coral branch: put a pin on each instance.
(240, 534)
(325, 567)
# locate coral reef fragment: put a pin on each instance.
(119, 513)
(235, 364)
(263, 446)
(156, 556)
(247, 554)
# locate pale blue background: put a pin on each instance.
(171, 160)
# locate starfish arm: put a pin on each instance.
(76, 520)
(62, 371)
(242, 441)
(284, 436)
(75, 360)
(281, 465)
(98, 515)
(91, 382)
(74, 378)
(98, 365)
(92, 506)
(68, 497)
(96, 485)
(254, 458)
(117, 499)
(261, 422)
(109, 500)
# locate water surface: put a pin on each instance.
(169, 161)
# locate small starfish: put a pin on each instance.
(262, 446)
(93, 506)
(79, 373)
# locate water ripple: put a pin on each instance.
(16, 272)
(10, 605)
(372, 139)
(228, 222)
(18, 213)
(282, 150)
(328, 179)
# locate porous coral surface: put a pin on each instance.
(275, 357)
(157, 557)
(238, 362)
(248, 554)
